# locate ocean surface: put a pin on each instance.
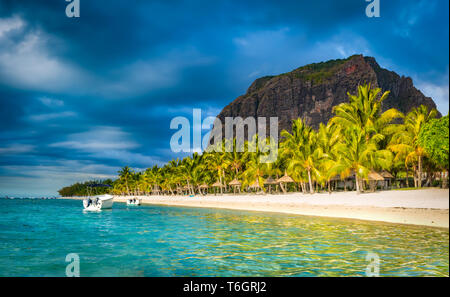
(36, 235)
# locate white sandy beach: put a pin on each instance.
(429, 207)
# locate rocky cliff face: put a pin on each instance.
(311, 91)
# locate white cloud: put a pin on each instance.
(106, 142)
(127, 157)
(52, 116)
(14, 149)
(10, 24)
(26, 61)
(50, 102)
(354, 44)
(98, 139)
(141, 76)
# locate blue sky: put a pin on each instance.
(80, 98)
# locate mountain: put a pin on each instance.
(311, 91)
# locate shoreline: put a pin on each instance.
(425, 207)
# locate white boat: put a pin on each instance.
(133, 201)
(99, 202)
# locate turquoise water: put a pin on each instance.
(36, 235)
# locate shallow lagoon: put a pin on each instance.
(36, 235)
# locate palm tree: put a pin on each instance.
(126, 175)
(359, 155)
(362, 123)
(364, 111)
(234, 159)
(404, 142)
(302, 150)
(289, 145)
(193, 170)
(214, 160)
(254, 168)
(328, 137)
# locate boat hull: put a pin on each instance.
(98, 203)
(133, 202)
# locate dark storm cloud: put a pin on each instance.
(81, 97)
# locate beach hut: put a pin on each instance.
(235, 184)
(374, 178)
(216, 185)
(284, 180)
(334, 181)
(203, 187)
(349, 180)
(388, 178)
(270, 181)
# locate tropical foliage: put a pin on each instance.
(359, 140)
(86, 188)
(435, 140)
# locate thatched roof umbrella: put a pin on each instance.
(235, 184)
(284, 179)
(270, 181)
(217, 184)
(255, 184)
(203, 187)
(185, 188)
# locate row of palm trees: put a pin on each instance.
(358, 140)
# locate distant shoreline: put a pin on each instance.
(427, 207)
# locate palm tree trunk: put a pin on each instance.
(128, 190)
(282, 188)
(444, 179)
(311, 189)
(407, 180)
(358, 190)
(420, 172)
